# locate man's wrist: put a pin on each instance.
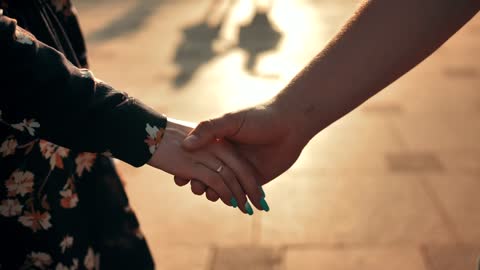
(297, 117)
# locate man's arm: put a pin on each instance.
(383, 40)
(380, 43)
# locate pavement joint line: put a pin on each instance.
(427, 261)
(256, 228)
(373, 171)
(397, 135)
(212, 257)
(348, 246)
(336, 246)
(442, 211)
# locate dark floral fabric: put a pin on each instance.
(62, 203)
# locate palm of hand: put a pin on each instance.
(270, 160)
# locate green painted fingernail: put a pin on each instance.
(264, 205)
(249, 209)
(234, 202)
(263, 192)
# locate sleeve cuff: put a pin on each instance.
(133, 131)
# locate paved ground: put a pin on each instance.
(394, 185)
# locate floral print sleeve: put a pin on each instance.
(46, 96)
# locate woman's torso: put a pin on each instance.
(61, 208)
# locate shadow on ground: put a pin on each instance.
(257, 36)
(129, 22)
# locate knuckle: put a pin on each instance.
(235, 119)
(215, 179)
(218, 185)
(180, 181)
(211, 195)
(204, 125)
(229, 116)
(230, 177)
(197, 190)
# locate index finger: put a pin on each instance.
(207, 131)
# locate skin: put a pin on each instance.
(383, 40)
(201, 165)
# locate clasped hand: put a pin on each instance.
(252, 147)
(217, 166)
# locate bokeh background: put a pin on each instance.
(393, 185)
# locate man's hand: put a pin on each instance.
(260, 134)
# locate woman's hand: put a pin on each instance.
(217, 166)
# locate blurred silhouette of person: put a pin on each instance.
(196, 47)
(258, 36)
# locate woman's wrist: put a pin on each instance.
(174, 127)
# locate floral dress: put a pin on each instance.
(62, 203)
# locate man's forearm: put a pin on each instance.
(380, 43)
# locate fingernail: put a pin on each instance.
(191, 139)
(234, 202)
(263, 192)
(264, 205)
(249, 209)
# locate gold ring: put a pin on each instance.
(220, 169)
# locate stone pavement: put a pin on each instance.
(391, 186)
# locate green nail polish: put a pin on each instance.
(264, 205)
(249, 209)
(234, 202)
(263, 192)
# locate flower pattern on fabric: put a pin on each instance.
(23, 37)
(69, 197)
(74, 266)
(10, 208)
(28, 125)
(90, 260)
(154, 137)
(8, 147)
(54, 153)
(84, 162)
(67, 242)
(20, 182)
(88, 74)
(39, 260)
(61, 266)
(36, 220)
(51, 196)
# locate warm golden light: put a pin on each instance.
(391, 184)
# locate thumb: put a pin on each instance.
(218, 128)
